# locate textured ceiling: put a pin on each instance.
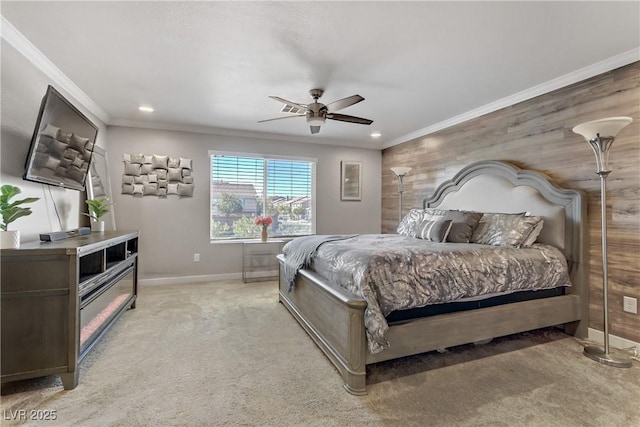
(212, 65)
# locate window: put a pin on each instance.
(246, 186)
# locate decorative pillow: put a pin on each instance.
(172, 189)
(137, 158)
(138, 189)
(127, 179)
(131, 168)
(40, 160)
(160, 162)
(56, 148)
(185, 190)
(174, 174)
(162, 192)
(78, 143)
(43, 144)
(138, 179)
(50, 130)
(146, 169)
(150, 189)
(533, 236)
(75, 174)
(64, 136)
(148, 160)
(462, 222)
(504, 229)
(127, 188)
(162, 173)
(70, 154)
(185, 163)
(78, 162)
(173, 162)
(162, 183)
(52, 163)
(153, 177)
(434, 230)
(409, 223)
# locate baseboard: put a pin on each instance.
(614, 341)
(189, 279)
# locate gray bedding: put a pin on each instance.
(394, 272)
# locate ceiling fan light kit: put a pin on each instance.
(317, 113)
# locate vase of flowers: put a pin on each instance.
(264, 221)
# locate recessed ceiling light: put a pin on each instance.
(146, 109)
(376, 135)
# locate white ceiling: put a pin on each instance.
(210, 66)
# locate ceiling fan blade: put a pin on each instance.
(350, 119)
(280, 118)
(293, 104)
(315, 129)
(344, 102)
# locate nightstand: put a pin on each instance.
(259, 260)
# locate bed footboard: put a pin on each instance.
(334, 318)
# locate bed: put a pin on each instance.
(333, 314)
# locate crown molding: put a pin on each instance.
(609, 64)
(236, 133)
(37, 58)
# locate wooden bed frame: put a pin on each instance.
(334, 317)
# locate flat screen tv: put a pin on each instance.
(62, 144)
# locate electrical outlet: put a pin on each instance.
(630, 305)
(196, 257)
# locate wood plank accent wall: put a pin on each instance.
(536, 134)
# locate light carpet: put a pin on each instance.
(227, 353)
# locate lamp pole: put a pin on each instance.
(601, 145)
(400, 172)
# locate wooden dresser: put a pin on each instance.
(59, 298)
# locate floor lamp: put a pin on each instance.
(400, 172)
(600, 135)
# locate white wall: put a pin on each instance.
(173, 229)
(22, 88)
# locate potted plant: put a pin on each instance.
(11, 211)
(97, 208)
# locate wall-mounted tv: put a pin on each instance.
(62, 144)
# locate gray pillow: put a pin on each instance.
(127, 188)
(174, 174)
(137, 158)
(463, 222)
(409, 223)
(500, 229)
(185, 190)
(160, 162)
(131, 168)
(150, 189)
(434, 230)
(78, 143)
(50, 130)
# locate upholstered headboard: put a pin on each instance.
(498, 186)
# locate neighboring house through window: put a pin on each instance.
(244, 186)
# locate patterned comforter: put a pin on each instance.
(394, 272)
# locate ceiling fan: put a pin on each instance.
(316, 112)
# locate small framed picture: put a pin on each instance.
(351, 181)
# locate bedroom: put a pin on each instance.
(163, 225)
